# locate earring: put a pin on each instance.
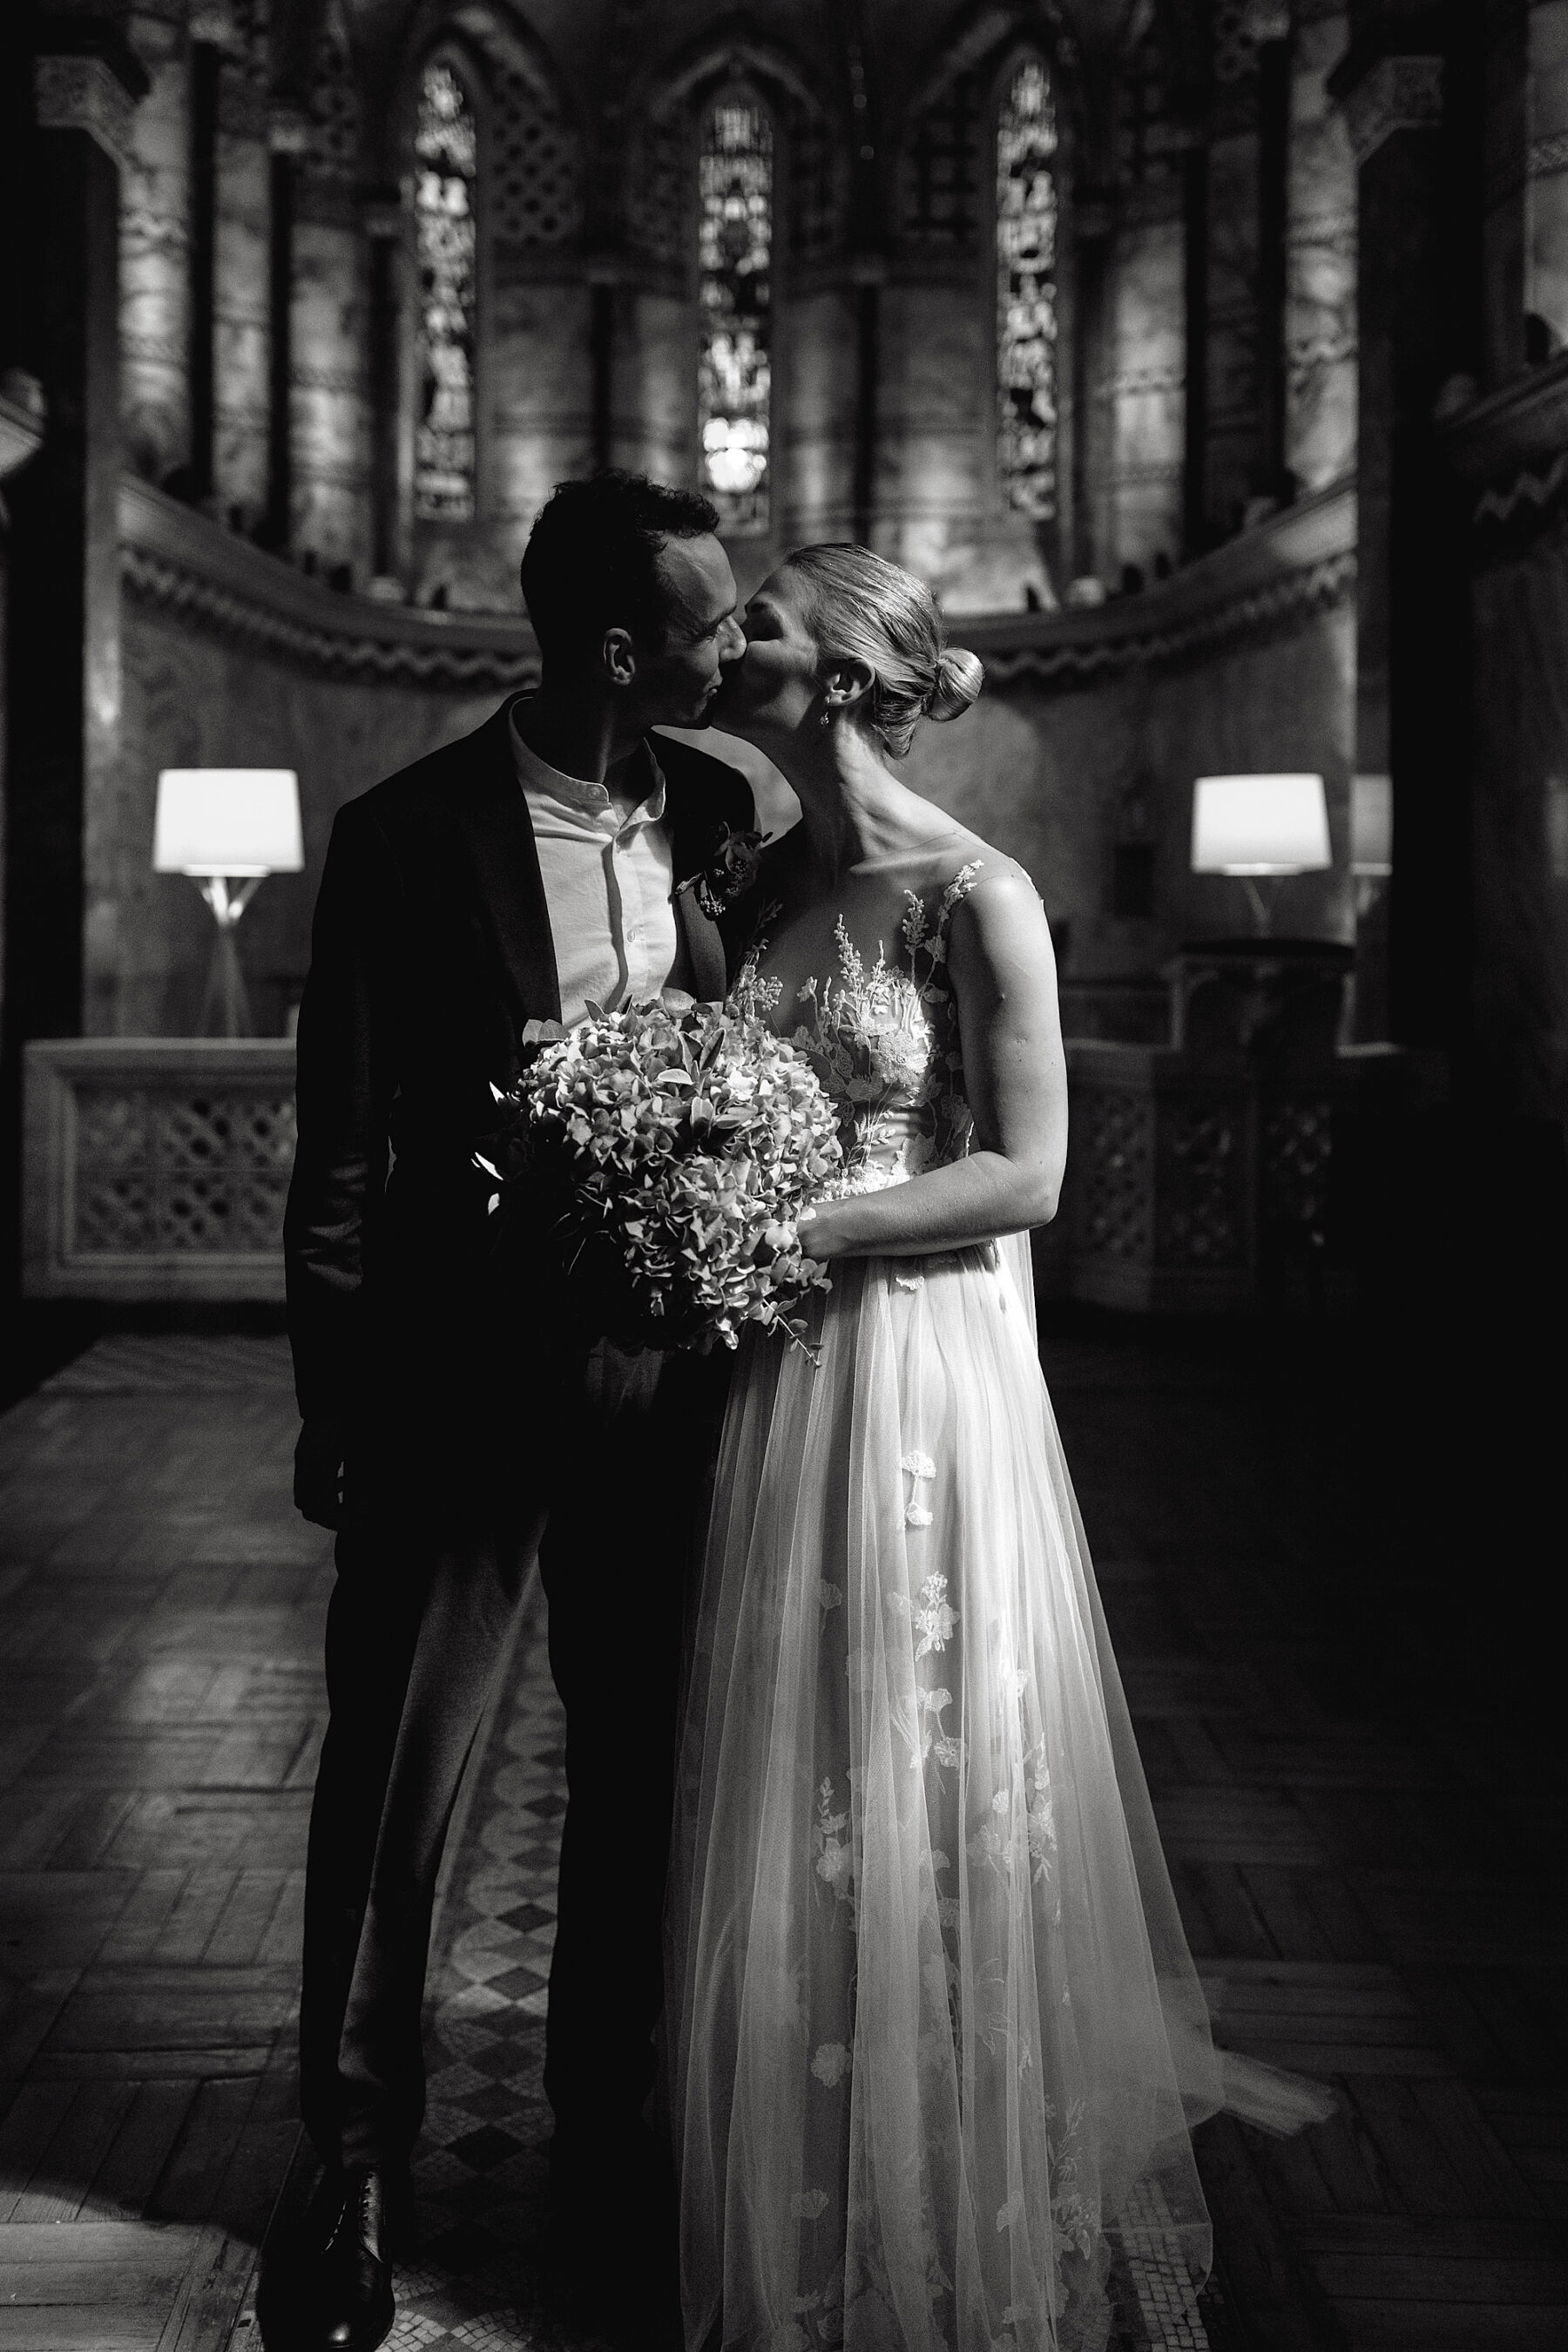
(827, 720)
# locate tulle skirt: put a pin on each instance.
(936, 2040)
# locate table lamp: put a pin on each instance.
(1257, 828)
(227, 828)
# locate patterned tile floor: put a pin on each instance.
(482, 2277)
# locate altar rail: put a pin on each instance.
(157, 1169)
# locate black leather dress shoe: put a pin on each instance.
(344, 2299)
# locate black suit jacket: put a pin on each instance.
(431, 950)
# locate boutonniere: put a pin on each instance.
(731, 870)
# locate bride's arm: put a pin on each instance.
(1004, 983)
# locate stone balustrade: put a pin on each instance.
(157, 1169)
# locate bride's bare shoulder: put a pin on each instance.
(958, 855)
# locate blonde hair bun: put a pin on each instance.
(960, 674)
(860, 607)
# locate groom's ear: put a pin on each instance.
(619, 657)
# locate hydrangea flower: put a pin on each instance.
(669, 1149)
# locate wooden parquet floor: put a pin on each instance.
(1369, 1896)
(160, 1620)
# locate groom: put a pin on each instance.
(452, 1424)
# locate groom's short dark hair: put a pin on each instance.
(592, 559)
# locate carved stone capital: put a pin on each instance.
(1394, 94)
(83, 93)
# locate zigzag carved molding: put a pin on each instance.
(350, 654)
(175, 564)
(1537, 490)
(1316, 587)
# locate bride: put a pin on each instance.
(938, 2043)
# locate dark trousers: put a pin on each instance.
(611, 1492)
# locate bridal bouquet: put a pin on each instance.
(669, 1151)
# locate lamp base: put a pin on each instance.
(1260, 897)
(226, 1008)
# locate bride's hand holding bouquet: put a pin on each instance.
(669, 1149)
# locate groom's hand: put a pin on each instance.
(319, 1475)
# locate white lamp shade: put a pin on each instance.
(231, 820)
(1259, 824)
(1372, 825)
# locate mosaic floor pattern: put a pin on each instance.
(482, 2281)
(480, 2171)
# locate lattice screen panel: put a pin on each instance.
(815, 183)
(532, 170)
(1298, 1150)
(1235, 41)
(208, 1172)
(664, 191)
(939, 171)
(1203, 1199)
(1116, 1175)
(158, 1169)
(333, 155)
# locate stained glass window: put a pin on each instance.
(1027, 292)
(446, 150)
(734, 384)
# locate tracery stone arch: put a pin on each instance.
(811, 189)
(810, 194)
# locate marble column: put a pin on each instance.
(330, 404)
(1093, 221)
(385, 227)
(206, 74)
(1546, 170)
(64, 650)
(1232, 313)
(1411, 643)
(287, 135)
(1195, 337)
(1321, 282)
(1269, 478)
(241, 338)
(155, 259)
(1145, 387)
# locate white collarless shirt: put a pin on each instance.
(609, 883)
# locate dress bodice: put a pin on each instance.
(883, 1039)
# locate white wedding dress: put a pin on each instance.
(937, 2039)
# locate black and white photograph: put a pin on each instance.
(783, 1175)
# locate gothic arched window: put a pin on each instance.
(446, 147)
(1026, 291)
(734, 373)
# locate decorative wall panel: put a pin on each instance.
(157, 1169)
(534, 177)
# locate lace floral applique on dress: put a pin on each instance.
(883, 1039)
